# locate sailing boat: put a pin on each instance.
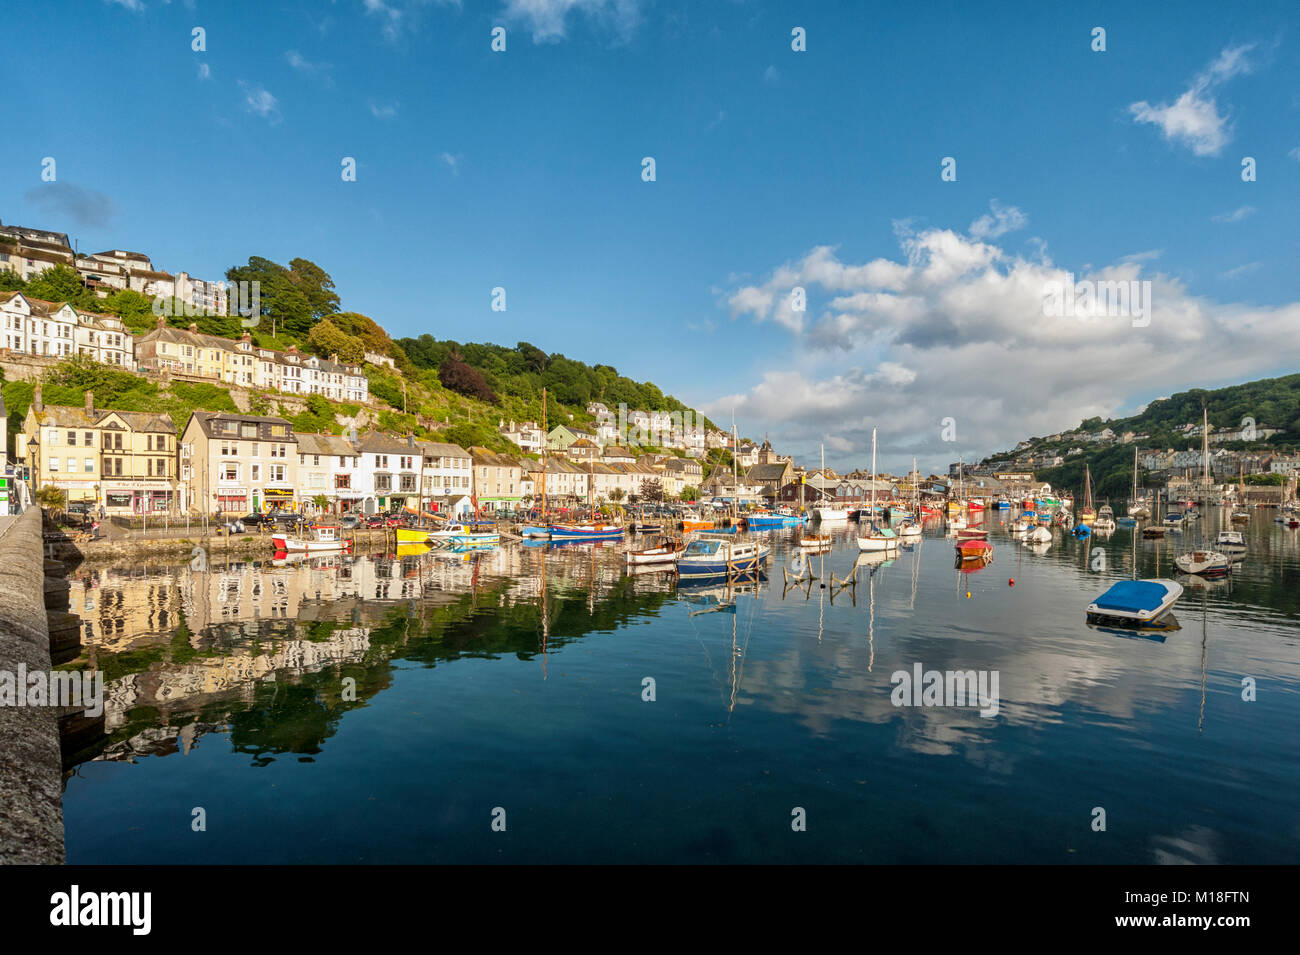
(1204, 562)
(911, 527)
(834, 512)
(877, 539)
(1087, 515)
(1136, 508)
(1241, 514)
(542, 530)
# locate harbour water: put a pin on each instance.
(511, 684)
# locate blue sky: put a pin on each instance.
(522, 169)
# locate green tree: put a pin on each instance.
(62, 284)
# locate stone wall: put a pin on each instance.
(31, 783)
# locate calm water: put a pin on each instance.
(513, 679)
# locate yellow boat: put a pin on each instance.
(406, 535)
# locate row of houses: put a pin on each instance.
(28, 252)
(128, 462)
(31, 326)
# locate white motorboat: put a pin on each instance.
(321, 539)
(1135, 602)
(1203, 563)
(1105, 519)
(666, 553)
(1231, 542)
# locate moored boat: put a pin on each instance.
(322, 539)
(1135, 602)
(707, 557)
(666, 553)
(587, 532)
(972, 549)
(1203, 563)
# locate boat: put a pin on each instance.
(464, 534)
(974, 549)
(587, 532)
(1203, 563)
(763, 521)
(876, 539)
(323, 538)
(666, 553)
(535, 531)
(1105, 520)
(1081, 531)
(909, 528)
(1230, 542)
(972, 534)
(1039, 535)
(707, 557)
(411, 535)
(1135, 602)
(1086, 514)
(815, 542)
(1174, 519)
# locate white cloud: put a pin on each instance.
(1194, 119)
(135, 6)
(259, 101)
(547, 20)
(301, 64)
(771, 76)
(954, 327)
(1003, 219)
(1241, 270)
(1236, 215)
(396, 17)
(1295, 154)
(205, 71)
(452, 161)
(387, 111)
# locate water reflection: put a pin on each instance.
(266, 659)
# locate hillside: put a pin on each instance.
(1270, 403)
(438, 389)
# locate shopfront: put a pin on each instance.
(280, 498)
(232, 500)
(123, 500)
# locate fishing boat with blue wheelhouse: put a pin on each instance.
(708, 557)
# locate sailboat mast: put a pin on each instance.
(873, 475)
(545, 442)
(735, 469)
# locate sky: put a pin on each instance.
(775, 169)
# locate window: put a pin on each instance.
(248, 431)
(72, 439)
(381, 460)
(148, 442)
(90, 465)
(161, 467)
(230, 449)
(277, 472)
(88, 438)
(383, 482)
(255, 472)
(279, 431)
(54, 464)
(149, 463)
(315, 460)
(52, 437)
(230, 472)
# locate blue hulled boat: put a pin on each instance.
(708, 557)
(586, 532)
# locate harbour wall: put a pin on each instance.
(31, 781)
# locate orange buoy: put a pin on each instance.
(1011, 582)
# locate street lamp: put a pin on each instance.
(33, 447)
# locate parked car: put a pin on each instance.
(256, 520)
(349, 522)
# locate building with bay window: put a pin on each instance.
(239, 463)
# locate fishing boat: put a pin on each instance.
(707, 557)
(1203, 563)
(876, 539)
(321, 539)
(974, 549)
(666, 553)
(764, 521)
(1135, 602)
(587, 532)
(1105, 519)
(1023, 524)
(1230, 542)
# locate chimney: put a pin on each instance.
(194, 328)
(37, 401)
(162, 321)
(247, 337)
(335, 358)
(410, 440)
(90, 403)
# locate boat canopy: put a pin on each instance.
(1133, 596)
(702, 548)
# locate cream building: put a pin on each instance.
(124, 461)
(239, 463)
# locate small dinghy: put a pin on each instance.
(970, 549)
(666, 553)
(1135, 602)
(815, 542)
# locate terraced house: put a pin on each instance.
(498, 480)
(238, 463)
(32, 326)
(390, 472)
(123, 461)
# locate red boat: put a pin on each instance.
(972, 534)
(974, 549)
